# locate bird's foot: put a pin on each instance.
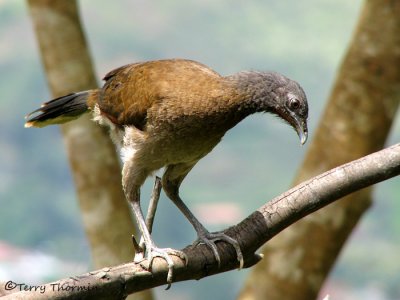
(209, 238)
(164, 253)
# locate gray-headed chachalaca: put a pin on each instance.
(171, 113)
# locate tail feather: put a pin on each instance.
(59, 110)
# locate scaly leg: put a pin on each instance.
(172, 179)
(151, 212)
(132, 192)
(155, 196)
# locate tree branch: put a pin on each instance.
(270, 219)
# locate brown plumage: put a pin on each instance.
(171, 113)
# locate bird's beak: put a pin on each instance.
(302, 131)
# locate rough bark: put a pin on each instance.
(95, 166)
(270, 219)
(356, 122)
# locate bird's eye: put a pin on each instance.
(294, 103)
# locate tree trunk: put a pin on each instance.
(356, 122)
(95, 165)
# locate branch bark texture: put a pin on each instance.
(263, 224)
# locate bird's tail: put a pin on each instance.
(62, 109)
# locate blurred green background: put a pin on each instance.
(256, 161)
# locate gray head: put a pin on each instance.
(277, 94)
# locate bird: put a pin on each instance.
(169, 114)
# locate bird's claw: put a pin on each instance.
(209, 239)
(164, 253)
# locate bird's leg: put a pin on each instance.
(171, 187)
(206, 237)
(152, 251)
(151, 212)
(132, 192)
(155, 196)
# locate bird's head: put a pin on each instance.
(290, 103)
(277, 94)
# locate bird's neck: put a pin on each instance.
(244, 93)
(255, 91)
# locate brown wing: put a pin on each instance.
(130, 91)
(119, 92)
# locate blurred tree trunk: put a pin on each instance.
(356, 122)
(95, 165)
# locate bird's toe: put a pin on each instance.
(210, 239)
(164, 253)
(210, 242)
